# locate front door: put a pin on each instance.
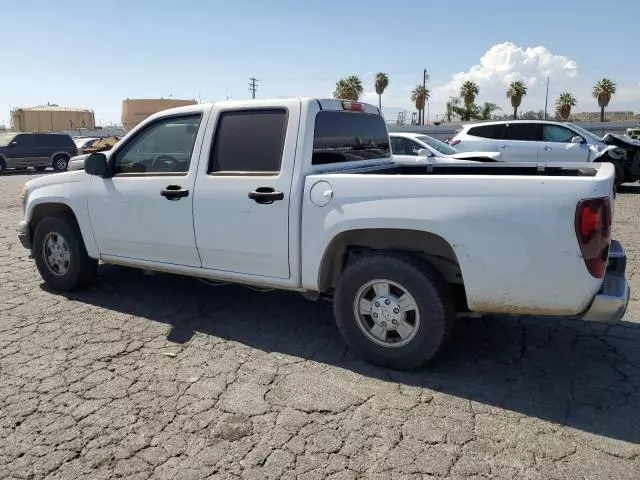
(556, 145)
(241, 206)
(145, 211)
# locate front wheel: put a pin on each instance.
(394, 311)
(60, 255)
(60, 163)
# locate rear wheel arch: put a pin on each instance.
(430, 247)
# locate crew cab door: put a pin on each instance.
(556, 145)
(242, 193)
(145, 210)
(521, 142)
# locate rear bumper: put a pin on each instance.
(610, 304)
(24, 235)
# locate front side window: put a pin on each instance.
(404, 146)
(249, 141)
(437, 145)
(556, 133)
(341, 136)
(163, 147)
(23, 140)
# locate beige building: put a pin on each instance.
(51, 118)
(135, 110)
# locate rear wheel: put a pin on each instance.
(394, 311)
(60, 255)
(60, 163)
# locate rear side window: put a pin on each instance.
(349, 136)
(489, 131)
(524, 132)
(54, 141)
(249, 141)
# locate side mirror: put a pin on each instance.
(423, 152)
(577, 139)
(96, 164)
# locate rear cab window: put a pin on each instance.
(494, 132)
(344, 136)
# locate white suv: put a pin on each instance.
(531, 141)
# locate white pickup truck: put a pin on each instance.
(301, 194)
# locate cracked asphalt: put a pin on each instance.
(158, 376)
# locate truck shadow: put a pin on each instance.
(581, 375)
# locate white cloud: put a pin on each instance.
(506, 62)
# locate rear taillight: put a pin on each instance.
(453, 143)
(593, 230)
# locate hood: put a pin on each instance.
(77, 163)
(478, 156)
(621, 141)
(56, 179)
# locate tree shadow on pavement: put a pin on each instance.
(583, 375)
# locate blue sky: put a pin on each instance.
(85, 54)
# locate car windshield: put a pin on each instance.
(586, 133)
(436, 144)
(5, 138)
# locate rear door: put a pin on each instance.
(242, 193)
(482, 138)
(556, 145)
(521, 142)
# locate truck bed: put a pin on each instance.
(524, 169)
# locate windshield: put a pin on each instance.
(5, 138)
(436, 144)
(585, 133)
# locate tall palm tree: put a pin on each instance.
(564, 103)
(382, 82)
(516, 91)
(419, 97)
(468, 92)
(349, 88)
(468, 111)
(487, 109)
(602, 92)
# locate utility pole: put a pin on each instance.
(546, 99)
(424, 90)
(253, 86)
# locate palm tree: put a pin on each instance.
(486, 110)
(516, 91)
(467, 112)
(468, 92)
(603, 91)
(349, 88)
(564, 103)
(419, 97)
(451, 104)
(382, 82)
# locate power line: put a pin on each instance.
(253, 86)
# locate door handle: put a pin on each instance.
(174, 192)
(505, 146)
(547, 147)
(266, 195)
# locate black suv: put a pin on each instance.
(37, 150)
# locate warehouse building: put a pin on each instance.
(135, 110)
(51, 118)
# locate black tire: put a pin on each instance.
(60, 163)
(3, 166)
(431, 294)
(81, 268)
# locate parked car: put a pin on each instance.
(102, 144)
(83, 142)
(37, 150)
(421, 148)
(543, 141)
(313, 203)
